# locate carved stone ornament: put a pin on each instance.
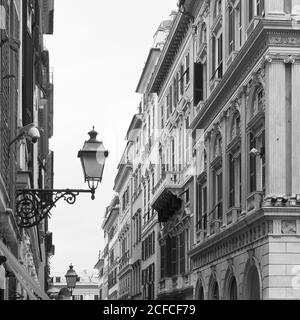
(288, 227)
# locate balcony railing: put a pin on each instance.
(169, 179)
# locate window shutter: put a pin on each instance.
(198, 83)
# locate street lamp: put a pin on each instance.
(93, 156)
(71, 278)
(34, 205)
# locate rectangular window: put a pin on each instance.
(231, 181)
(240, 23)
(175, 90)
(173, 154)
(174, 251)
(220, 56)
(218, 195)
(171, 100)
(168, 255)
(231, 29)
(162, 115)
(251, 13)
(181, 80)
(198, 83)
(187, 69)
(252, 164)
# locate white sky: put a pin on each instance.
(98, 52)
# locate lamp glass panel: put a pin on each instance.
(71, 281)
(93, 165)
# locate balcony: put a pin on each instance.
(166, 195)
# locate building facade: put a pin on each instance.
(217, 182)
(26, 97)
(110, 257)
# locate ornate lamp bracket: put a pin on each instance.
(35, 205)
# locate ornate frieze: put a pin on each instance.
(246, 238)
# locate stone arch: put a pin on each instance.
(214, 288)
(231, 291)
(252, 283)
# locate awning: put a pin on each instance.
(32, 288)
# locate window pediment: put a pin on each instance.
(217, 163)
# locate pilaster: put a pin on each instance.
(295, 127)
(276, 133)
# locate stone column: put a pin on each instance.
(276, 166)
(209, 183)
(225, 166)
(244, 153)
(295, 127)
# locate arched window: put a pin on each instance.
(232, 289)
(214, 291)
(199, 291)
(252, 283)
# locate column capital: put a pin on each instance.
(281, 58)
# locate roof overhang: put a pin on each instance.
(136, 123)
(148, 69)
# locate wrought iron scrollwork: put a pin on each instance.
(33, 206)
